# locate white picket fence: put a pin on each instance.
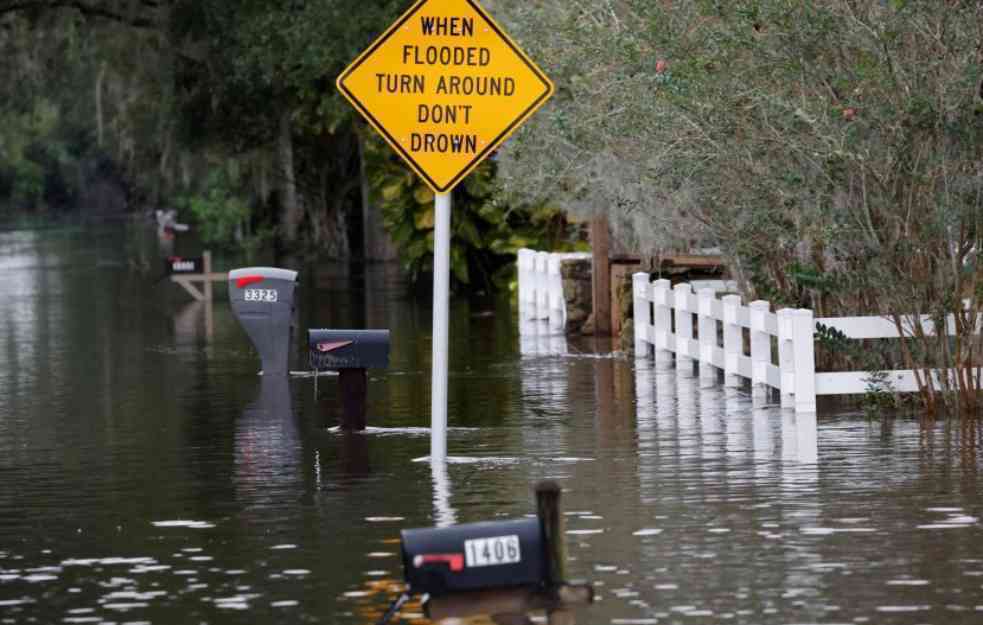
(664, 319)
(541, 287)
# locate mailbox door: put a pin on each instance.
(348, 349)
(474, 556)
(263, 300)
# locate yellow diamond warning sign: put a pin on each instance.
(445, 86)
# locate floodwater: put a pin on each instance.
(147, 475)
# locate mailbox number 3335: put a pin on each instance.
(492, 551)
(260, 295)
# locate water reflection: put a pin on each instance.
(544, 375)
(194, 323)
(268, 454)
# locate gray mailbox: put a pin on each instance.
(263, 300)
(351, 353)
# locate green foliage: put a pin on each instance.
(830, 149)
(218, 211)
(486, 233)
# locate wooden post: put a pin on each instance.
(551, 520)
(601, 275)
(206, 265)
(353, 386)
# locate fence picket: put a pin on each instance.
(760, 350)
(707, 329)
(733, 341)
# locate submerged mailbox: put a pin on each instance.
(348, 349)
(263, 300)
(351, 353)
(475, 556)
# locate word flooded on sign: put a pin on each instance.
(445, 86)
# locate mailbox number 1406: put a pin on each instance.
(492, 551)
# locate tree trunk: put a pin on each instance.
(100, 134)
(290, 208)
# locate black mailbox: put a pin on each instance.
(263, 300)
(348, 349)
(476, 556)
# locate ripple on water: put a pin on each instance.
(826, 531)
(195, 525)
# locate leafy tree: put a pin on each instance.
(840, 138)
(486, 234)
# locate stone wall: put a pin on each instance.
(576, 275)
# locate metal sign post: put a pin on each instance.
(441, 318)
(445, 87)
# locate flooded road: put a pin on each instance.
(148, 475)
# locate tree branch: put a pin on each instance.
(97, 10)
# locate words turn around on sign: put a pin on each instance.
(445, 86)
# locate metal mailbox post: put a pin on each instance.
(262, 298)
(351, 353)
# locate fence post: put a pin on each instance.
(786, 356)
(707, 328)
(523, 270)
(662, 302)
(684, 328)
(760, 350)
(542, 286)
(805, 363)
(733, 341)
(643, 316)
(558, 306)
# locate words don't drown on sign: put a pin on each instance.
(445, 86)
